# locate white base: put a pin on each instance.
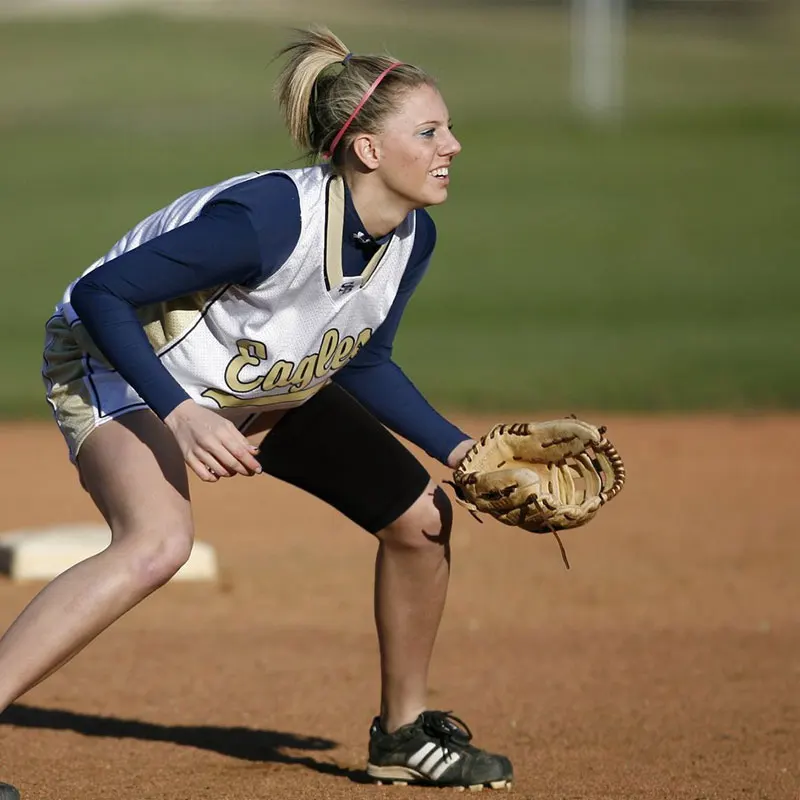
(37, 554)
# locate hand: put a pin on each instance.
(458, 452)
(211, 445)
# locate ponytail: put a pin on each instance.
(322, 84)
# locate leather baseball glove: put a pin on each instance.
(540, 476)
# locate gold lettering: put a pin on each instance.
(361, 340)
(333, 354)
(304, 374)
(251, 354)
(326, 350)
(279, 375)
(343, 350)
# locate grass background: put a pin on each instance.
(645, 264)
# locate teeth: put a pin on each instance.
(442, 172)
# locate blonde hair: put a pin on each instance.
(322, 83)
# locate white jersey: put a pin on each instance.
(273, 345)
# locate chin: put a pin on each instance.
(436, 198)
(426, 197)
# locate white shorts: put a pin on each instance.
(84, 395)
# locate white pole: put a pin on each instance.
(598, 55)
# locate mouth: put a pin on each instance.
(441, 174)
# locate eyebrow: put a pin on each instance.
(435, 122)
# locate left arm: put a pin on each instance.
(381, 386)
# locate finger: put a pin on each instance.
(250, 462)
(245, 455)
(219, 462)
(228, 460)
(200, 469)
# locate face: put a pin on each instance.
(414, 152)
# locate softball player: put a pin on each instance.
(269, 302)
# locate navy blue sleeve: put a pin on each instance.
(233, 241)
(381, 386)
(272, 204)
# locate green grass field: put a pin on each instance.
(646, 265)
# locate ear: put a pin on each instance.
(367, 150)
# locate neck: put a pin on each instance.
(380, 209)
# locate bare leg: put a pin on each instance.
(135, 473)
(411, 576)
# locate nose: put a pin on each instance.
(451, 146)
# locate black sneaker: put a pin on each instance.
(8, 792)
(435, 750)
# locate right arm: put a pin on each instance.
(226, 244)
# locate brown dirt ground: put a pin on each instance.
(664, 664)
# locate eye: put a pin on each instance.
(428, 132)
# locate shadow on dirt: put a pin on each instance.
(248, 744)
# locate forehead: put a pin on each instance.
(421, 104)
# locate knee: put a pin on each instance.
(426, 525)
(154, 558)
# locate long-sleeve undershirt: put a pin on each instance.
(244, 235)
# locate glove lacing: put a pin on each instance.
(523, 429)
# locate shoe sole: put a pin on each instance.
(8, 792)
(404, 776)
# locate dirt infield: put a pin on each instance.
(664, 664)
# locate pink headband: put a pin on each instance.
(367, 95)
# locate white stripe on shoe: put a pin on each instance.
(417, 758)
(432, 761)
(444, 765)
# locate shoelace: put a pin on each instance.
(446, 729)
